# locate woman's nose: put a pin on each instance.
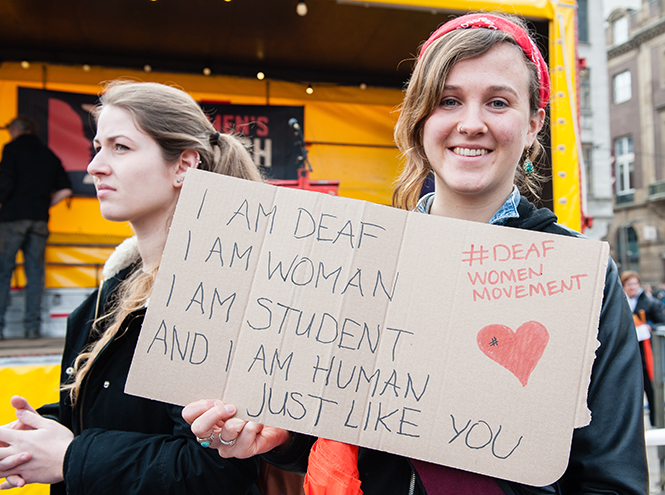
(97, 165)
(471, 122)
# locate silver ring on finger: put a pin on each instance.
(224, 442)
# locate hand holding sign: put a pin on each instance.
(243, 439)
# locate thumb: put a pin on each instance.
(30, 418)
(19, 402)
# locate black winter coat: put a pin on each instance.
(607, 457)
(131, 445)
(654, 311)
(29, 173)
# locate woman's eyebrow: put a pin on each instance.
(111, 138)
(496, 88)
(503, 88)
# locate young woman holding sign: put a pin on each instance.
(97, 439)
(473, 109)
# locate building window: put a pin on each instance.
(620, 31)
(585, 90)
(583, 20)
(587, 155)
(622, 87)
(624, 168)
(628, 249)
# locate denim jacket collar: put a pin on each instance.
(508, 208)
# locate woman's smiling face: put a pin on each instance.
(475, 137)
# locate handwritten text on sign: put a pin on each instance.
(367, 324)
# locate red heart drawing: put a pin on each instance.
(518, 352)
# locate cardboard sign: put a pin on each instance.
(454, 342)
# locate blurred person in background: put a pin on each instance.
(647, 311)
(31, 181)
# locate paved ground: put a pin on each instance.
(30, 347)
(655, 485)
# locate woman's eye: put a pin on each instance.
(96, 149)
(498, 104)
(448, 102)
(120, 147)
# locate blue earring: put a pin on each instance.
(528, 165)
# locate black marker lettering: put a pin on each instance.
(198, 215)
(458, 433)
(363, 233)
(176, 342)
(399, 334)
(379, 419)
(272, 214)
(205, 349)
(379, 280)
(321, 401)
(236, 252)
(323, 227)
(260, 301)
(156, 337)
(403, 422)
(244, 206)
(168, 301)
(215, 297)
(197, 301)
(311, 219)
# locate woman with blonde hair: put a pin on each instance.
(98, 439)
(472, 113)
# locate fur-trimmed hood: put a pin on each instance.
(126, 253)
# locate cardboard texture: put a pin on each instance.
(454, 342)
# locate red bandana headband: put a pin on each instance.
(489, 21)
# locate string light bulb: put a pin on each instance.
(260, 76)
(301, 8)
(207, 71)
(309, 89)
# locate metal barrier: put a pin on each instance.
(658, 346)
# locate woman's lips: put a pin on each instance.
(103, 190)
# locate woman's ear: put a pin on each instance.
(187, 159)
(535, 125)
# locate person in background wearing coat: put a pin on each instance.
(647, 311)
(98, 440)
(31, 181)
(471, 114)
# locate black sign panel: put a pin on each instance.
(66, 126)
(266, 132)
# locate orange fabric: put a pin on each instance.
(332, 469)
(648, 352)
(648, 357)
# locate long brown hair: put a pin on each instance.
(176, 122)
(423, 96)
